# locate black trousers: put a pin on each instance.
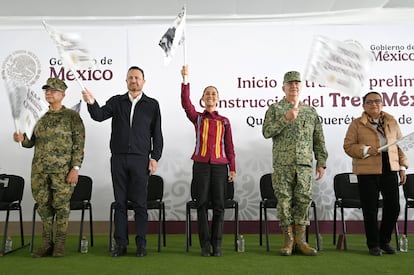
(210, 181)
(130, 181)
(370, 187)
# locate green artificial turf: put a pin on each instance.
(174, 260)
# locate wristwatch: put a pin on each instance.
(77, 168)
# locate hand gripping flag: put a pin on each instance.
(405, 143)
(73, 54)
(339, 65)
(173, 37)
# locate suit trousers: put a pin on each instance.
(370, 187)
(211, 181)
(130, 181)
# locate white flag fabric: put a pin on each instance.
(338, 65)
(73, 54)
(27, 107)
(17, 94)
(173, 37)
(406, 143)
(77, 106)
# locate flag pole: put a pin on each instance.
(17, 131)
(77, 78)
(185, 47)
(382, 148)
(185, 36)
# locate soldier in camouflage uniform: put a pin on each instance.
(58, 138)
(297, 135)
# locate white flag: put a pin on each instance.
(405, 143)
(17, 94)
(73, 54)
(339, 65)
(173, 37)
(77, 106)
(27, 107)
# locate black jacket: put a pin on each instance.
(144, 137)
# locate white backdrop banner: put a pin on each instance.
(245, 61)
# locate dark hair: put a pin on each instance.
(370, 93)
(137, 68)
(210, 87)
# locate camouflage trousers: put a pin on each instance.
(52, 193)
(293, 189)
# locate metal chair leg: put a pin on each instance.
(334, 225)
(397, 237)
(344, 228)
(236, 225)
(159, 227)
(163, 225)
(315, 217)
(260, 224)
(90, 223)
(266, 229)
(405, 219)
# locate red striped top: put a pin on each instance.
(214, 142)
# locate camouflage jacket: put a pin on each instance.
(59, 139)
(295, 142)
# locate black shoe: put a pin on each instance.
(375, 251)
(216, 252)
(119, 251)
(388, 248)
(205, 251)
(141, 251)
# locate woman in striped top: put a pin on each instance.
(214, 163)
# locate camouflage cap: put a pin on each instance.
(291, 76)
(55, 84)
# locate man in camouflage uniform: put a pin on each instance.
(297, 135)
(58, 138)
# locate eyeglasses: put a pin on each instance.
(374, 101)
